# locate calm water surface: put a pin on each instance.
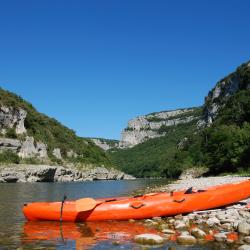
(16, 233)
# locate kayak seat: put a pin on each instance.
(191, 191)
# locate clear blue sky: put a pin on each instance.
(93, 65)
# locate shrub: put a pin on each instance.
(8, 156)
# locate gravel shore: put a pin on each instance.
(228, 227)
(203, 182)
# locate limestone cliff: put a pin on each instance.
(105, 144)
(143, 128)
(223, 90)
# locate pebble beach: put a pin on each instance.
(225, 228)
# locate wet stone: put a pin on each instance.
(185, 233)
(179, 225)
(157, 218)
(198, 233)
(178, 217)
(220, 237)
(226, 226)
(229, 241)
(168, 231)
(247, 239)
(186, 240)
(171, 221)
(163, 226)
(244, 228)
(149, 239)
(244, 247)
(212, 221)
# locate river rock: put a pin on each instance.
(244, 228)
(186, 240)
(64, 174)
(244, 247)
(212, 221)
(192, 173)
(179, 225)
(220, 237)
(40, 173)
(168, 231)
(9, 176)
(198, 233)
(149, 239)
(247, 239)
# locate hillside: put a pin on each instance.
(218, 138)
(29, 136)
(152, 158)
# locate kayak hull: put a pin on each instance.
(142, 207)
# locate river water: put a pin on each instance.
(17, 233)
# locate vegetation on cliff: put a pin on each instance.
(222, 147)
(53, 133)
(153, 157)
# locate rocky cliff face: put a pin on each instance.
(12, 118)
(27, 133)
(150, 126)
(25, 147)
(224, 89)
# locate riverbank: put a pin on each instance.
(202, 182)
(45, 173)
(227, 227)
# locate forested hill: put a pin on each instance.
(29, 136)
(219, 140)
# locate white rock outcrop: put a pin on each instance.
(10, 144)
(12, 118)
(147, 127)
(31, 149)
(28, 149)
(57, 153)
(104, 144)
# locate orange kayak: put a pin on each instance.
(140, 207)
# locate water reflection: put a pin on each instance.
(82, 235)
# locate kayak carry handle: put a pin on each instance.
(137, 206)
(179, 201)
